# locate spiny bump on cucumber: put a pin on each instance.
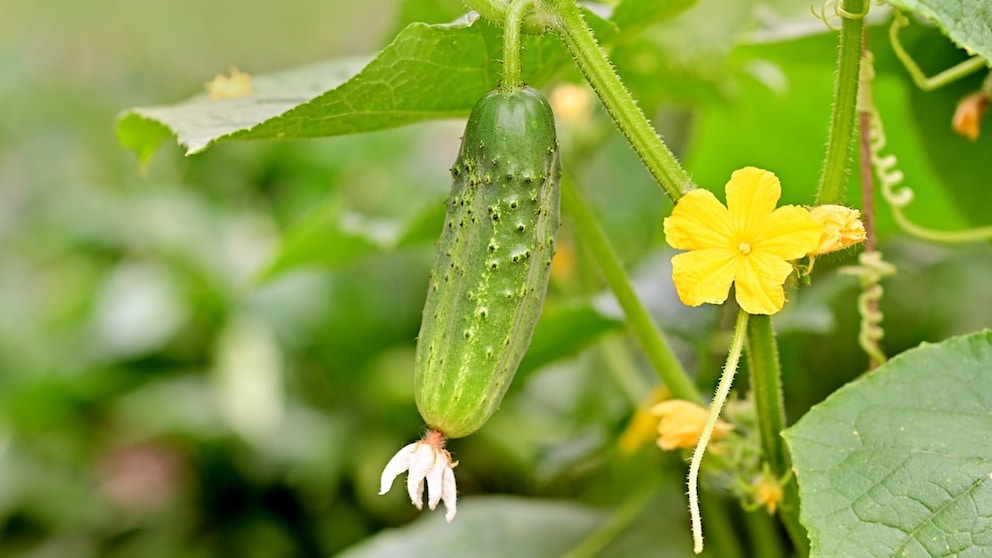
(478, 324)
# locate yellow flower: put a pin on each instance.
(682, 423)
(842, 227)
(767, 492)
(749, 243)
(642, 426)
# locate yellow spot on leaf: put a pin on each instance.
(238, 84)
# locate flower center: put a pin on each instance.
(744, 248)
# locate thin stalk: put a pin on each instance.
(950, 75)
(865, 108)
(616, 359)
(628, 117)
(512, 82)
(766, 381)
(620, 520)
(833, 179)
(652, 342)
(537, 22)
(722, 391)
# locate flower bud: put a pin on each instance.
(842, 227)
(967, 119)
(682, 423)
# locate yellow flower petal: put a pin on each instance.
(642, 427)
(789, 232)
(751, 197)
(698, 221)
(767, 492)
(749, 243)
(682, 424)
(759, 282)
(842, 227)
(704, 276)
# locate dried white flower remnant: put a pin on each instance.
(425, 460)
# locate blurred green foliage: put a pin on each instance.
(213, 357)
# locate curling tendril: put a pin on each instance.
(870, 271)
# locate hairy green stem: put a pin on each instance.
(655, 347)
(840, 139)
(722, 391)
(536, 22)
(766, 381)
(616, 359)
(628, 117)
(511, 46)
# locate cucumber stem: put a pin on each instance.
(512, 82)
(766, 382)
(656, 349)
(840, 139)
(536, 23)
(628, 117)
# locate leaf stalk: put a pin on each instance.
(659, 354)
(628, 117)
(840, 140)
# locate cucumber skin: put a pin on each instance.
(492, 262)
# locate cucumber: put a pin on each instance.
(492, 261)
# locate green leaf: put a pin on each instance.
(898, 463)
(632, 15)
(967, 22)
(427, 11)
(486, 527)
(199, 122)
(427, 72)
(141, 135)
(499, 526)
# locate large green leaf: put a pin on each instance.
(487, 527)
(631, 15)
(967, 22)
(499, 526)
(899, 462)
(427, 72)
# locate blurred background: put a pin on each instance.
(160, 397)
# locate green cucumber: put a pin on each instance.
(492, 261)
